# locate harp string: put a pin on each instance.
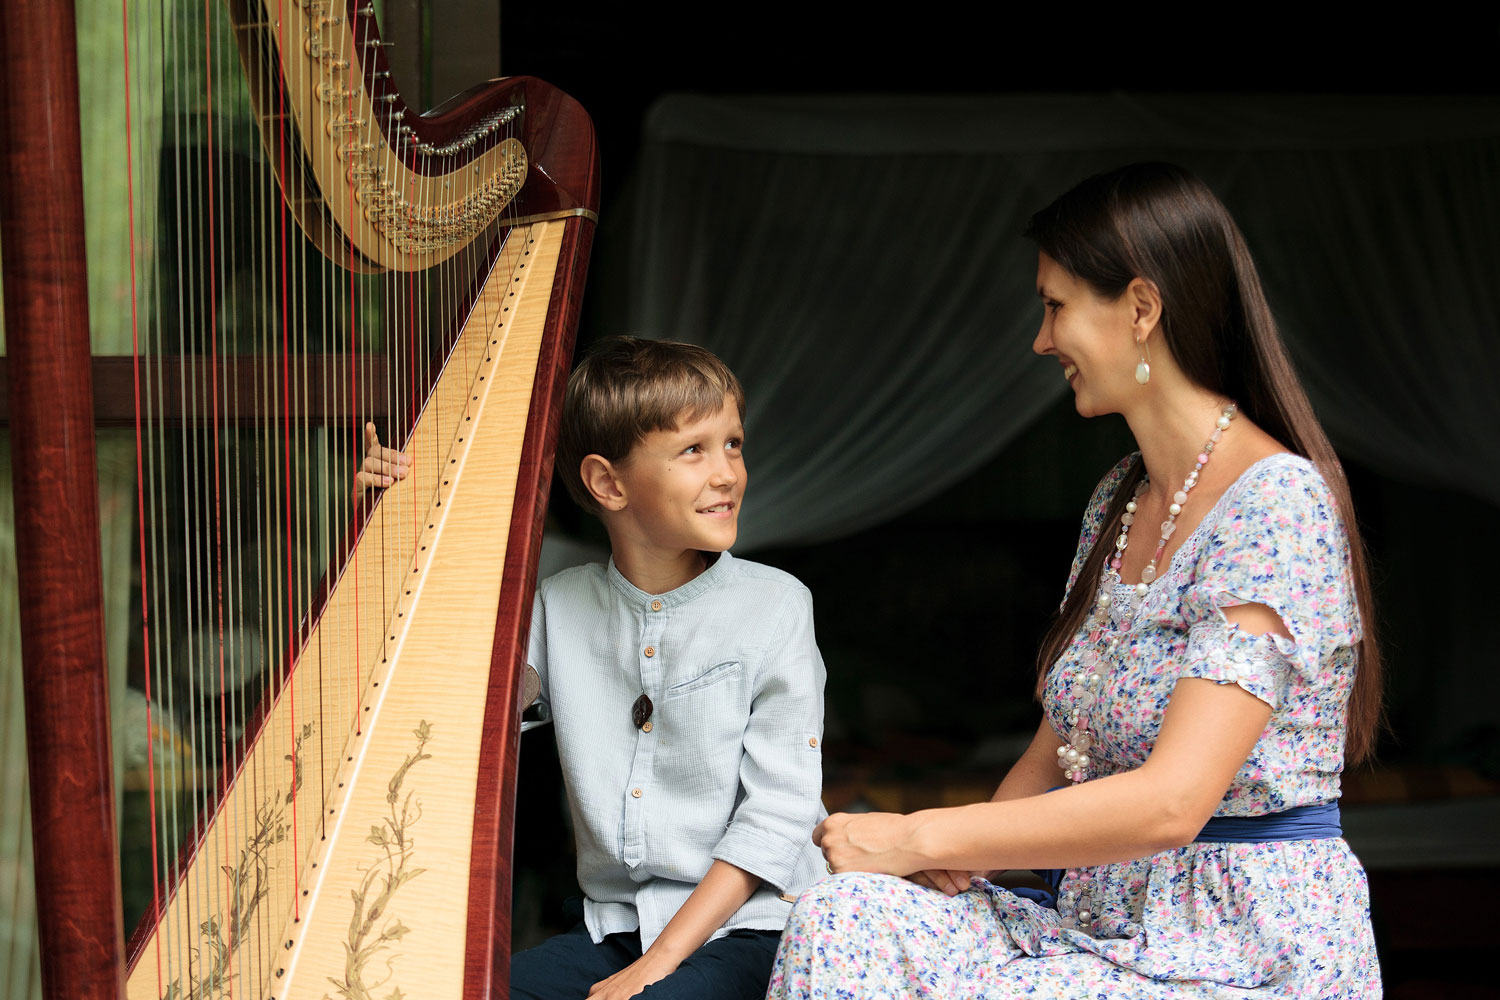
(173, 780)
(355, 412)
(282, 223)
(260, 489)
(189, 307)
(211, 315)
(337, 312)
(241, 815)
(176, 781)
(177, 495)
(135, 352)
(311, 329)
(237, 819)
(390, 318)
(197, 314)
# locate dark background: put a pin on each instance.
(969, 579)
(616, 59)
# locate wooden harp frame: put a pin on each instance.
(57, 524)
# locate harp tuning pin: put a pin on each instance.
(376, 43)
(384, 74)
(397, 116)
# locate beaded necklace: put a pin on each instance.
(1073, 756)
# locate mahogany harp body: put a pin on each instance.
(353, 830)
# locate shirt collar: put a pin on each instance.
(698, 585)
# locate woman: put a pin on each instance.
(1203, 686)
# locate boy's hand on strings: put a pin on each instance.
(382, 466)
(629, 981)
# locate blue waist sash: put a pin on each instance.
(1319, 822)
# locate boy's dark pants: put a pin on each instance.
(732, 967)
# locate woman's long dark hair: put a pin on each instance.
(1159, 222)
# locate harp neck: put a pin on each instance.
(375, 184)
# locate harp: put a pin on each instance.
(331, 806)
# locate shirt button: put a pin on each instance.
(645, 727)
(813, 742)
(656, 605)
(650, 651)
(635, 793)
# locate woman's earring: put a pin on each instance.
(1143, 370)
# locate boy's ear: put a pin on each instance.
(598, 475)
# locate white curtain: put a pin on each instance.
(857, 262)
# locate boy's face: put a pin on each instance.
(683, 486)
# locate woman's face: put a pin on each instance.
(1092, 338)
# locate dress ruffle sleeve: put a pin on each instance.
(1276, 540)
(1218, 651)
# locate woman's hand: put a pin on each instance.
(944, 880)
(382, 466)
(868, 842)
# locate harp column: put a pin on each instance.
(56, 502)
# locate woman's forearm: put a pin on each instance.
(1207, 732)
(1096, 823)
(1052, 830)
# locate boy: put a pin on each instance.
(685, 690)
(684, 687)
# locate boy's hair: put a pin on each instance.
(625, 388)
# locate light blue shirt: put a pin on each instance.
(730, 766)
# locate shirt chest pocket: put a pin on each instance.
(704, 717)
(719, 675)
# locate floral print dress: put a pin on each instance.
(1282, 919)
